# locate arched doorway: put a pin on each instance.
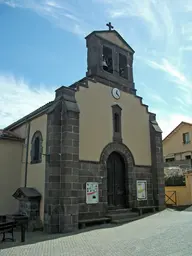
(116, 181)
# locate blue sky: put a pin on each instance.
(42, 47)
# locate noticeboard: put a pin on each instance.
(92, 192)
(141, 190)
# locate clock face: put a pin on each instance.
(116, 93)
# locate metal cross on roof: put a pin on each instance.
(110, 26)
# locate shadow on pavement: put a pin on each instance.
(39, 236)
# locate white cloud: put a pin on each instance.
(19, 99)
(186, 48)
(168, 68)
(150, 12)
(153, 95)
(178, 79)
(61, 13)
(157, 98)
(53, 4)
(181, 101)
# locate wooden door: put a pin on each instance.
(116, 181)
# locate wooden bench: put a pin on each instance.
(20, 221)
(7, 227)
(142, 208)
(83, 223)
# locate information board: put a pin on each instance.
(141, 190)
(92, 192)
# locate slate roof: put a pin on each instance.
(114, 32)
(9, 135)
(27, 192)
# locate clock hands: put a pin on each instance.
(116, 93)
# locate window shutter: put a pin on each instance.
(183, 137)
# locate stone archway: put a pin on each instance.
(127, 156)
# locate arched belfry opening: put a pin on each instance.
(116, 177)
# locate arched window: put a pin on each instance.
(36, 148)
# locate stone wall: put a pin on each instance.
(157, 165)
(145, 173)
(62, 168)
(91, 172)
(97, 172)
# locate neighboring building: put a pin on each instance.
(96, 130)
(177, 146)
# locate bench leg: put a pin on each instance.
(3, 239)
(12, 236)
(22, 233)
(83, 225)
(8, 238)
(154, 210)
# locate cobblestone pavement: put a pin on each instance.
(163, 234)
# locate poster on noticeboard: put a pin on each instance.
(92, 192)
(141, 190)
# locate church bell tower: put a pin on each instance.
(110, 58)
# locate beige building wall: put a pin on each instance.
(182, 156)
(96, 129)
(10, 162)
(22, 132)
(174, 144)
(35, 172)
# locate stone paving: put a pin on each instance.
(163, 234)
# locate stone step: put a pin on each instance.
(124, 215)
(126, 220)
(120, 210)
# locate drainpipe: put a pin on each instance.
(27, 153)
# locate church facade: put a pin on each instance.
(87, 151)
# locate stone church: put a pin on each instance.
(88, 151)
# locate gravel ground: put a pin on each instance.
(163, 234)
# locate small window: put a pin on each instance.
(116, 122)
(188, 157)
(186, 138)
(169, 159)
(107, 59)
(123, 66)
(116, 113)
(36, 148)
